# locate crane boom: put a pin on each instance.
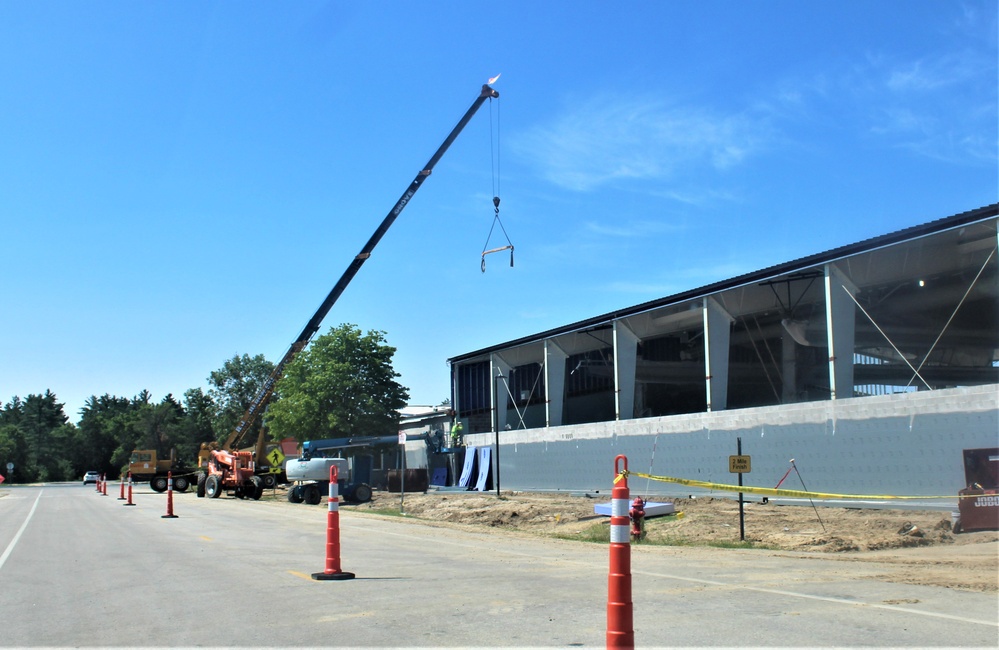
(310, 329)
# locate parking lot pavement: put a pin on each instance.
(225, 572)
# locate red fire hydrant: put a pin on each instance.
(637, 513)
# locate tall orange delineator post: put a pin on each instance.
(333, 571)
(620, 620)
(121, 492)
(169, 514)
(129, 491)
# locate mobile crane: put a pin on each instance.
(218, 459)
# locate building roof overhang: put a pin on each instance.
(762, 275)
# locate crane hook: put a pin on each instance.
(509, 246)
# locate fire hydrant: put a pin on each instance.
(637, 513)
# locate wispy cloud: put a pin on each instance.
(610, 139)
(941, 105)
(633, 229)
(932, 73)
(922, 98)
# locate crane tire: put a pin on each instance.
(362, 493)
(201, 484)
(213, 487)
(295, 494)
(257, 489)
(312, 495)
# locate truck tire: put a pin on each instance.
(213, 487)
(312, 494)
(362, 493)
(180, 484)
(158, 483)
(201, 484)
(257, 490)
(295, 494)
(270, 480)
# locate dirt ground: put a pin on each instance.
(918, 546)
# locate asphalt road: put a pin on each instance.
(81, 569)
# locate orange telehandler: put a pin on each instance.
(231, 472)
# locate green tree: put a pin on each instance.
(13, 412)
(198, 427)
(113, 427)
(342, 384)
(42, 421)
(36, 436)
(106, 433)
(60, 466)
(13, 449)
(161, 426)
(233, 388)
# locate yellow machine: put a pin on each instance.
(144, 465)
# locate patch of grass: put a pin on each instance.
(714, 543)
(389, 512)
(741, 544)
(596, 533)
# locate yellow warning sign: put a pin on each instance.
(275, 458)
(739, 464)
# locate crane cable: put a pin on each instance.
(494, 158)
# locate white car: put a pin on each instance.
(91, 477)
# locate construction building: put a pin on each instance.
(874, 365)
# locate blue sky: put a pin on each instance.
(181, 182)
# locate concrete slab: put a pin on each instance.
(652, 509)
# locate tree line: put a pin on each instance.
(342, 384)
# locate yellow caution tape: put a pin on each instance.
(775, 492)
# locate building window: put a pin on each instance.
(474, 392)
(527, 385)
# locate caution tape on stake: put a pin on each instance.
(776, 492)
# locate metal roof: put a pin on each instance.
(899, 236)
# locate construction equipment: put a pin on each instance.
(353, 457)
(259, 403)
(311, 478)
(231, 472)
(268, 457)
(354, 460)
(144, 465)
(330, 446)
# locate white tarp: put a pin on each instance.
(466, 470)
(485, 453)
